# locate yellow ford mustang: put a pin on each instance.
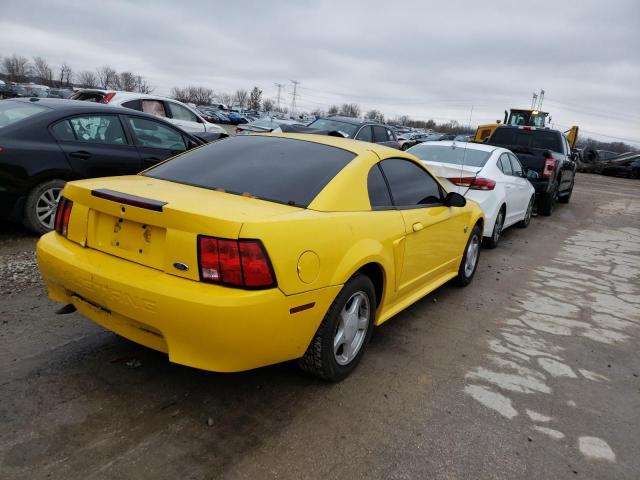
(258, 249)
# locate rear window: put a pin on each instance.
(328, 125)
(457, 155)
(281, 170)
(544, 139)
(12, 112)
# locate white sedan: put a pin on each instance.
(491, 176)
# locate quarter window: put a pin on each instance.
(153, 134)
(410, 185)
(97, 129)
(378, 191)
(178, 112)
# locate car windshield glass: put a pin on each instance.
(458, 155)
(546, 139)
(281, 170)
(329, 125)
(12, 112)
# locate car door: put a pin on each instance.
(432, 244)
(96, 145)
(155, 140)
(383, 136)
(183, 117)
(510, 188)
(522, 190)
(365, 134)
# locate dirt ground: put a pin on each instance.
(530, 372)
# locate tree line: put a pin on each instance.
(20, 69)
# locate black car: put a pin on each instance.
(46, 142)
(547, 153)
(365, 130)
(629, 168)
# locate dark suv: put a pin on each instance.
(365, 130)
(546, 152)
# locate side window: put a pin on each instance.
(380, 134)
(504, 164)
(154, 107)
(410, 185)
(516, 167)
(390, 135)
(178, 112)
(133, 104)
(98, 129)
(365, 134)
(153, 134)
(378, 192)
(63, 131)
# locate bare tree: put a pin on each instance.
(143, 86)
(106, 76)
(350, 110)
(333, 110)
(375, 115)
(240, 97)
(127, 81)
(268, 105)
(66, 73)
(255, 99)
(193, 94)
(17, 68)
(42, 71)
(224, 98)
(318, 113)
(87, 79)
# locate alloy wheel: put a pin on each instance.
(352, 328)
(46, 206)
(473, 251)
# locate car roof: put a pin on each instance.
(75, 105)
(355, 146)
(469, 145)
(351, 120)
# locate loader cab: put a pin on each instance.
(526, 118)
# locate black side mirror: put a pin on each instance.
(454, 199)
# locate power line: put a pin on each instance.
(280, 87)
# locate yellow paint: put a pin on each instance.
(117, 266)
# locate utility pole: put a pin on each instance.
(533, 100)
(293, 96)
(540, 98)
(280, 87)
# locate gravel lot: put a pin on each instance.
(530, 372)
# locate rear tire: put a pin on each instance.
(333, 355)
(547, 201)
(470, 259)
(41, 204)
(524, 223)
(492, 241)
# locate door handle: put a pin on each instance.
(80, 154)
(417, 226)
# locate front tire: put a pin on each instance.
(40, 207)
(470, 259)
(343, 335)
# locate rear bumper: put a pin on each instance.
(199, 325)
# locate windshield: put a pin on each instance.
(328, 125)
(12, 112)
(546, 139)
(449, 154)
(281, 170)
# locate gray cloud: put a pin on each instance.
(424, 59)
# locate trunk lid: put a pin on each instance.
(155, 222)
(451, 170)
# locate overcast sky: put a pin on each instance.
(424, 59)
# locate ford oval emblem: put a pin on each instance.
(181, 266)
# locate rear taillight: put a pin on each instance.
(63, 214)
(237, 263)
(107, 98)
(549, 166)
(473, 183)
